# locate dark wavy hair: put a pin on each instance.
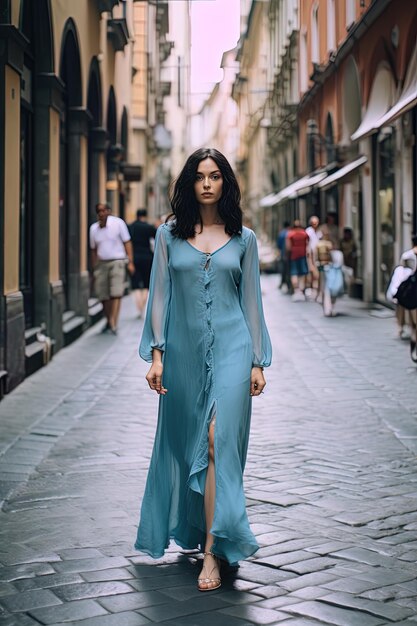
(185, 207)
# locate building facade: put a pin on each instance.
(250, 92)
(160, 105)
(357, 123)
(340, 121)
(65, 91)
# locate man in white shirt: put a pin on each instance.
(110, 247)
(314, 235)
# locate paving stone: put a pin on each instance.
(268, 591)
(7, 589)
(307, 580)
(166, 582)
(385, 576)
(381, 609)
(279, 602)
(280, 560)
(20, 556)
(129, 618)
(255, 614)
(47, 582)
(132, 601)
(70, 611)
(327, 548)
(78, 591)
(265, 575)
(27, 600)
(107, 574)
(310, 565)
(174, 610)
(9, 574)
(334, 615)
(350, 585)
(238, 597)
(210, 618)
(89, 565)
(299, 621)
(363, 556)
(310, 593)
(80, 553)
(18, 619)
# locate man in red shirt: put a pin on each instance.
(297, 246)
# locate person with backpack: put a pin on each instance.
(406, 294)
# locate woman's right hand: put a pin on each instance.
(154, 378)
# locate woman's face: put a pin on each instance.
(208, 184)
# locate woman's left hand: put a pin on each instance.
(257, 381)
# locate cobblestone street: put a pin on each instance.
(331, 483)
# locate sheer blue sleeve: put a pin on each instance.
(157, 310)
(251, 304)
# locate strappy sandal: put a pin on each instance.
(217, 581)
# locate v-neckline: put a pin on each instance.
(209, 253)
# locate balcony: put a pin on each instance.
(118, 33)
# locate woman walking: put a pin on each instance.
(206, 337)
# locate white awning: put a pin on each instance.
(408, 97)
(380, 100)
(299, 187)
(341, 173)
(267, 200)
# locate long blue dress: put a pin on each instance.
(205, 313)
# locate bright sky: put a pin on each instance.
(215, 28)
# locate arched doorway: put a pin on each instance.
(352, 190)
(114, 153)
(124, 138)
(332, 203)
(69, 183)
(35, 23)
(97, 142)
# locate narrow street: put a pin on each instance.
(331, 483)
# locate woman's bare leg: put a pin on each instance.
(210, 567)
(210, 490)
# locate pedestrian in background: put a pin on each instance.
(110, 248)
(206, 337)
(322, 259)
(409, 260)
(142, 234)
(350, 250)
(297, 248)
(331, 229)
(314, 236)
(284, 264)
(333, 283)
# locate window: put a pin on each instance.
(303, 63)
(331, 25)
(350, 12)
(315, 46)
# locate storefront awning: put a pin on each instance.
(408, 97)
(380, 101)
(341, 173)
(267, 200)
(299, 187)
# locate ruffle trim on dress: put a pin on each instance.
(209, 334)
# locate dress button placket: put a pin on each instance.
(209, 330)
